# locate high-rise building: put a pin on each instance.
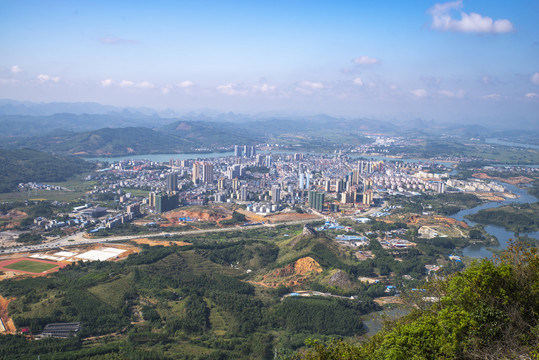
(301, 184)
(367, 197)
(164, 202)
(235, 184)
(355, 176)
(340, 186)
(269, 160)
(247, 151)
(253, 151)
(307, 181)
(237, 151)
(151, 200)
(367, 184)
(346, 198)
(233, 171)
(327, 185)
(196, 172)
(243, 193)
(134, 209)
(316, 200)
(207, 172)
(221, 184)
(184, 163)
(275, 194)
(260, 160)
(440, 187)
(172, 182)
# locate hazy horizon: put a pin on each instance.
(449, 62)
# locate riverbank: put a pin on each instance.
(502, 235)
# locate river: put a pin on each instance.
(503, 236)
(510, 143)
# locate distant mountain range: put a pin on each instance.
(95, 129)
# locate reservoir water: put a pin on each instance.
(503, 236)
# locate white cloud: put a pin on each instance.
(393, 87)
(144, 85)
(531, 95)
(266, 88)
(473, 22)
(419, 93)
(186, 84)
(46, 78)
(231, 89)
(16, 69)
(140, 85)
(535, 78)
(165, 90)
(491, 96)
(365, 60)
(106, 82)
(312, 85)
(358, 81)
(124, 83)
(372, 85)
(457, 95)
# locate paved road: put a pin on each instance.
(78, 239)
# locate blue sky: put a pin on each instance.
(460, 61)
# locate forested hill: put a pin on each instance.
(26, 165)
(489, 311)
(178, 137)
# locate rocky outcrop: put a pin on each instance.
(308, 230)
(340, 279)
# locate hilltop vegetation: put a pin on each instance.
(186, 302)
(226, 296)
(488, 311)
(515, 217)
(176, 137)
(26, 165)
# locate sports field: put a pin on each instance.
(31, 266)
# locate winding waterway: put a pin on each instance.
(503, 236)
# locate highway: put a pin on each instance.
(78, 239)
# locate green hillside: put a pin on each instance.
(175, 302)
(228, 296)
(26, 165)
(211, 133)
(489, 311)
(176, 137)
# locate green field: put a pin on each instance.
(30, 266)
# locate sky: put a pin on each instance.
(463, 61)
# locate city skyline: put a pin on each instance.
(459, 61)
